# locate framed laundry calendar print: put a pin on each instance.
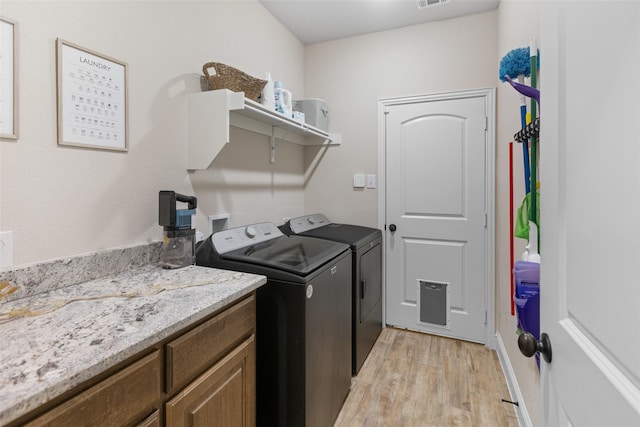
(8, 78)
(92, 99)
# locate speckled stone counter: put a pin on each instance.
(55, 340)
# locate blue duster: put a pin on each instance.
(516, 63)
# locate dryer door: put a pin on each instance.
(370, 282)
(367, 305)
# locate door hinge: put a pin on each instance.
(485, 317)
(486, 221)
(486, 123)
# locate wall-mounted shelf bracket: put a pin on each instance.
(273, 145)
(211, 113)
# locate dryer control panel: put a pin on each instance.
(308, 222)
(240, 237)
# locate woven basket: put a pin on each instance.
(227, 77)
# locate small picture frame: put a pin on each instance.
(8, 78)
(92, 99)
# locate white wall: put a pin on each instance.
(67, 201)
(519, 21)
(352, 74)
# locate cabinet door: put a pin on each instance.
(194, 352)
(152, 420)
(119, 400)
(222, 396)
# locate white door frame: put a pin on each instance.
(490, 95)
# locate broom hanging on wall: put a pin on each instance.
(516, 64)
(523, 62)
(527, 271)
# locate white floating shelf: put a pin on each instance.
(210, 113)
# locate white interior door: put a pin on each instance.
(590, 212)
(436, 203)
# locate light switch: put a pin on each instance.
(371, 181)
(358, 180)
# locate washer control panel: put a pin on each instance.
(308, 222)
(240, 237)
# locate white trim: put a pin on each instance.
(382, 199)
(604, 364)
(490, 96)
(512, 383)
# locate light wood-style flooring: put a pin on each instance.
(414, 379)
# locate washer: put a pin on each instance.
(303, 342)
(366, 249)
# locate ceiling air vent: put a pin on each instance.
(428, 3)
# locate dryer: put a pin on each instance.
(366, 249)
(303, 342)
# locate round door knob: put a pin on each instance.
(392, 228)
(529, 346)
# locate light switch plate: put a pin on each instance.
(6, 249)
(371, 181)
(358, 180)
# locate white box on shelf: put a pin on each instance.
(316, 112)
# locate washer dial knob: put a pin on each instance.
(250, 231)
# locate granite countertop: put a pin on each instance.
(56, 340)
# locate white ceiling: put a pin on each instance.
(314, 21)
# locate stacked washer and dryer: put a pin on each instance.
(321, 278)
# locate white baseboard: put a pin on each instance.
(512, 383)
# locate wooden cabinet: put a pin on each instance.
(152, 420)
(224, 349)
(195, 351)
(122, 399)
(210, 380)
(223, 396)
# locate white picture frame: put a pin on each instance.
(92, 99)
(9, 79)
